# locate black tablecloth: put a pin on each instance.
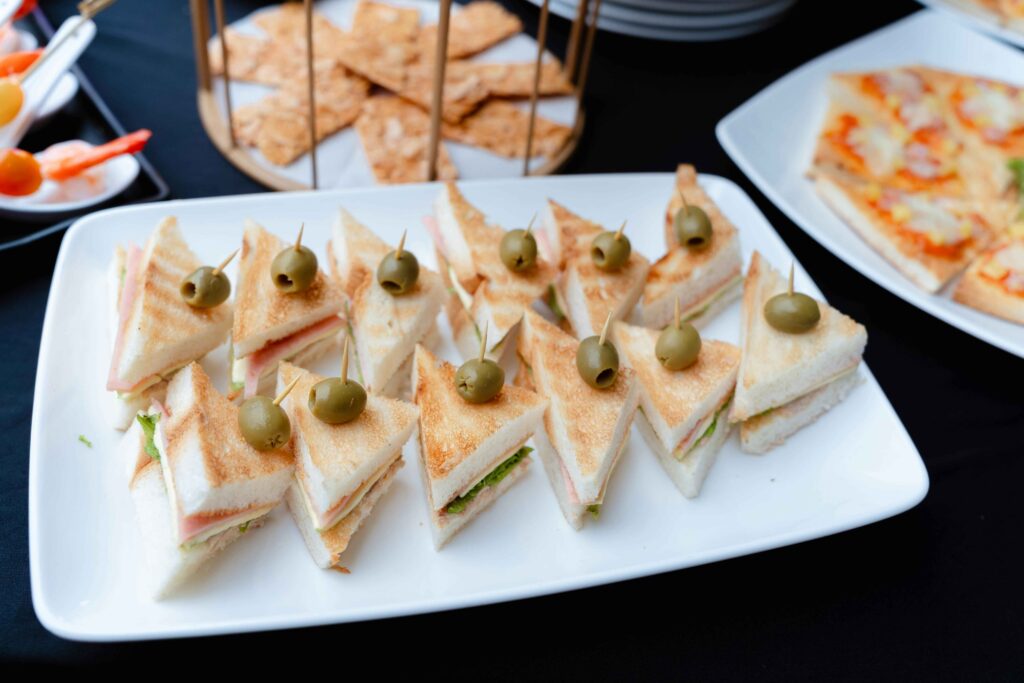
(934, 592)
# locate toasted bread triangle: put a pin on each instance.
(567, 233)
(461, 442)
(262, 312)
(586, 426)
(355, 252)
(210, 465)
(163, 332)
(333, 460)
(778, 367)
(386, 327)
(591, 294)
(679, 398)
(473, 251)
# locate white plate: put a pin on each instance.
(117, 173)
(694, 6)
(340, 158)
(978, 17)
(681, 20)
(654, 30)
(856, 465)
(772, 136)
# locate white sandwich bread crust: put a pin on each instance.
(778, 367)
(168, 564)
(761, 433)
(587, 427)
(209, 468)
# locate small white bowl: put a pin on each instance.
(116, 174)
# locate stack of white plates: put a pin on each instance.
(681, 20)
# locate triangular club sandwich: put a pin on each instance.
(155, 331)
(485, 292)
(197, 485)
(704, 272)
(585, 294)
(273, 324)
(788, 379)
(341, 470)
(385, 324)
(586, 428)
(470, 453)
(684, 413)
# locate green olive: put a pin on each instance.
(205, 289)
(478, 381)
(678, 347)
(294, 269)
(336, 402)
(518, 250)
(398, 274)
(693, 227)
(792, 312)
(597, 363)
(264, 425)
(610, 250)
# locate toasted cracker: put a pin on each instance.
(386, 22)
(287, 23)
(394, 135)
(399, 68)
(278, 125)
(478, 26)
(501, 127)
(514, 80)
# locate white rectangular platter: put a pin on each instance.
(854, 466)
(771, 138)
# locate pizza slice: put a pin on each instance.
(929, 238)
(994, 283)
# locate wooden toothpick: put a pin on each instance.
(677, 314)
(344, 362)
(618, 235)
(401, 243)
(483, 340)
(791, 279)
(529, 225)
(604, 332)
(287, 390)
(298, 240)
(682, 197)
(224, 263)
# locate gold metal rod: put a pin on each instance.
(200, 11)
(572, 52)
(218, 8)
(436, 101)
(310, 78)
(542, 37)
(588, 50)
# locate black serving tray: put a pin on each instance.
(86, 117)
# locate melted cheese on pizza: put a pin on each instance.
(908, 96)
(934, 219)
(1006, 265)
(995, 109)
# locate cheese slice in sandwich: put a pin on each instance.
(684, 413)
(385, 327)
(704, 281)
(487, 294)
(270, 325)
(586, 429)
(470, 454)
(214, 478)
(154, 331)
(584, 293)
(340, 470)
(778, 368)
